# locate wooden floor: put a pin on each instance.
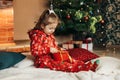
(24, 46)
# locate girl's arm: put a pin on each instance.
(37, 46)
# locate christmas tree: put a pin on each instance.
(78, 17)
(89, 18)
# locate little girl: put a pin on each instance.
(43, 45)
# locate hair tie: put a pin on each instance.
(51, 11)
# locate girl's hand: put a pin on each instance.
(62, 49)
(54, 50)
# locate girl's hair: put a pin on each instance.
(44, 19)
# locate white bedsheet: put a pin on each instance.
(32, 73)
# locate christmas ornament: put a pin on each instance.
(68, 16)
(91, 13)
(79, 15)
(86, 18)
(102, 21)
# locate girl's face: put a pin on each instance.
(50, 28)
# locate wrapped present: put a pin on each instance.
(62, 55)
(77, 44)
(88, 44)
(68, 45)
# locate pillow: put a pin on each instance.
(82, 54)
(108, 65)
(28, 61)
(8, 59)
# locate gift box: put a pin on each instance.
(62, 55)
(88, 46)
(68, 45)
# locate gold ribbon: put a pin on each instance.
(67, 54)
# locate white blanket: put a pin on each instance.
(26, 71)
